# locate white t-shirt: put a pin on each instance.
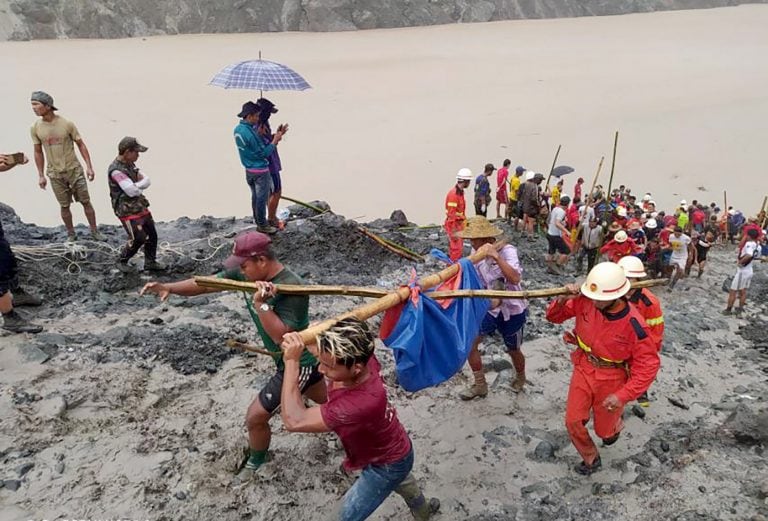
(750, 249)
(586, 214)
(679, 246)
(557, 215)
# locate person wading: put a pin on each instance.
(499, 270)
(274, 315)
(455, 213)
(615, 360)
(358, 411)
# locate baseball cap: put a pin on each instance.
(130, 143)
(249, 107)
(247, 245)
(44, 98)
(520, 169)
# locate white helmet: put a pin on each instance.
(529, 174)
(621, 236)
(647, 197)
(465, 174)
(633, 267)
(621, 211)
(683, 202)
(651, 223)
(606, 281)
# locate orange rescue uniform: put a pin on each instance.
(650, 308)
(614, 250)
(615, 355)
(454, 221)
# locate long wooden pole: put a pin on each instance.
(535, 293)
(613, 162)
(302, 203)
(554, 163)
(725, 202)
(762, 212)
(291, 289)
(594, 181)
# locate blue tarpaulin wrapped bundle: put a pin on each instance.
(431, 341)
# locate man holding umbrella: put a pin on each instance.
(254, 156)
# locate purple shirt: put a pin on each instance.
(492, 277)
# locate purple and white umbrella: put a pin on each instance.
(259, 75)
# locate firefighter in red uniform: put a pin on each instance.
(648, 306)
(454, 213)
(620, 246)
(615, 360)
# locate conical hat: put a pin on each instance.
(479, 227)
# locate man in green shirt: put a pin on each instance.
(275, 315)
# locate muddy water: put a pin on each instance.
(394, 113)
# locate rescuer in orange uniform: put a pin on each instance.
(455, 213)
(648, 306)
(620, 246)
(615, 360)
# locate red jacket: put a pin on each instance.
(615, 337)
(650, 308)
(616, 250)
(455, 206)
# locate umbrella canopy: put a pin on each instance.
(560, 171)
(259, 75)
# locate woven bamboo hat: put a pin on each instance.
(479, 227)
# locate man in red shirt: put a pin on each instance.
(455, 217)
(620, 246)
(359, 412)
(577, 188)
(614, 362)
(502, 197)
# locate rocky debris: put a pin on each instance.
(35, 19)
(747, 426)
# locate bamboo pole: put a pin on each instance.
(594, 181)
(725, 203)
(391, 300)
(613, 162)
(302, 203)
(425, 227)
(762, 212)
(554, 163)
(291, 289)
(234, 344)
(535, 293)
(392, 246)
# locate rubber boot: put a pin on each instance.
(518, 360)
(421, 508)
(153, 265)
(22, 298)
(15, 323)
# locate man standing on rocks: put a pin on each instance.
(529, 199)
(455, 213)
(680, 244)
(590, 238)
(254, 156)
(360, 414)
(58, 137)
(9, 281)
(126, 187)
(615, 360)
(513, 208)
(499, 270)
(502, 182)
(483, 191)
(274, 315)
(558, 251)
(743, 278)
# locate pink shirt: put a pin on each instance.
(366, 422)
(492, 277)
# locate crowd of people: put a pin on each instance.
(617, 332)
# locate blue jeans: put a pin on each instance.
(261, 188)
(375, 483)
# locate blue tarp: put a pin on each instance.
(431, 343)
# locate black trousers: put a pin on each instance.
(591, 255)
(141, 232)
(9, 269)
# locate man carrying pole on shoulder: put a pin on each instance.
(615, 360)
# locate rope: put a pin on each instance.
(77, 254)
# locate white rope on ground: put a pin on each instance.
(75, 254)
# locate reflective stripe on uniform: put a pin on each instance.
(452, 205)
(654, 321)
(588, 349)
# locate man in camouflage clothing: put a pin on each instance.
(126, 187)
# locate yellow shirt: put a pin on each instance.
(514, 186)
(555, 196)
(58, 139)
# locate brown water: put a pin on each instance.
(395, 113)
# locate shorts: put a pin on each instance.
(511, 330)
(277, 183)
(682, 262)
(269, 396)
(557, 244)
(502, 196)
(70, 186)
(742, 280)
